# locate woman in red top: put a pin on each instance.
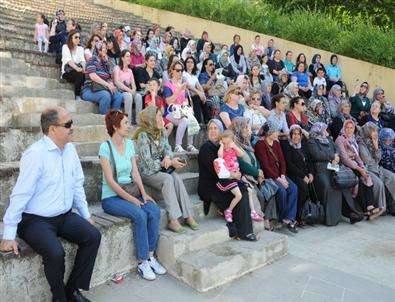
(297, 116)
(271, 158)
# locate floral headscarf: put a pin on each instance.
(238, 125)
(289, 90)
(365, 137)
(386, 134)
(332, 96)
(148, 123)
(352, 140)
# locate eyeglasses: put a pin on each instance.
(77, 37)
(211, 64)
(255, 99)
(66, 125)
(178, 70)
(364, 85)
(302, 104)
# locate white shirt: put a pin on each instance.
(49, 184)
(191, 79)
(255, 117)
(78, 57)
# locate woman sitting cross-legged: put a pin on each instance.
(349, 156)
(123, 193)
(271, 158)
(241, 227)
(157, 165)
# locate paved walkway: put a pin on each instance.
(337, 264)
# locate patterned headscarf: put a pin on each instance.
(352, 140)
(223, 63)
(148, 123)
(289, 90)
(386, 134)
(291, 130)
(317, 132)
(332, 96)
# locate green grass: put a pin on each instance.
(356, 38)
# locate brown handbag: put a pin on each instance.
(131, 188)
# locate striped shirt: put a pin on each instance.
(99, 67)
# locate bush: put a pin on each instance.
(355, 37)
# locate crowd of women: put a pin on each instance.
(280, 132)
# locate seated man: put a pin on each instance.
(50, 183)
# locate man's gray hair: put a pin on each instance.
(49, 117)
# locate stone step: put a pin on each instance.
(14, 63)
(93, 177)
(9, 91)
(33, 119)
(32, 56)
(117, 255)
(222, 263)
(24, 81)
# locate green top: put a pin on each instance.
(249, 168)
(123, 164)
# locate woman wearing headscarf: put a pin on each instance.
(315, 65)
(253, 59)
(209, 192)
(322, 151)
(315, 112)
(238, 60)
(387, 137)
(271, 159)
(227, 68)
(156, 162)
(136, 57)
(267, 94)
(291, 91)
(249, 165)
(318, 94)
(342, 115)
(299, 167)
(349, 156)
(190, 50)
(282, 82)
(334, 98)
(387, 109)
(383, 179)
(374, 116)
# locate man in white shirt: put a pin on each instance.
(49, 185)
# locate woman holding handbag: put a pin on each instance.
(176, 96)
(123, 193)
(349, 156)
(336, 201)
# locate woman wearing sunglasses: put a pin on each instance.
(297, 117)
(73, 62)
(231, 109)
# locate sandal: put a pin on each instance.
(256, 217)
(228, 215)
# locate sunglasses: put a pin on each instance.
(77, 37)
(178, 70)
(66, 125)
(302, 104)
(211, 64)
(255, 99)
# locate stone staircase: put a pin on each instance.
(29, 82)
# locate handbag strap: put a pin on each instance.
(314, 191)
(112, 160)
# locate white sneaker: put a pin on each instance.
(191, 148)
(179, 149)
(78, 98)
(145, 271)
(156, 266)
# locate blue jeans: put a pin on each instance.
(146, 222)
(104, 98)
(287, 200)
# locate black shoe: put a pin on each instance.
(250, 237)
(354, 218)
(292, 228)
(76, 296)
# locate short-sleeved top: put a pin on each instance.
(204, 77)
(255, 117)
(123, 165)
(302, 78)
(41, 29)
(99, 67)
(239, 112)
(191, 79)
(124, 76)
(318, 82)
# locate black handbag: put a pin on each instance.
(68, 68)
(131, 188)
(313, 212)
(345, 178)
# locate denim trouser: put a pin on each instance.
(287, 200)
(104, 98)
(146, 222)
